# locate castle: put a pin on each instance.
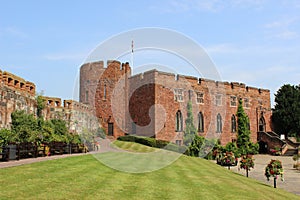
(19, 94)
(154, 103)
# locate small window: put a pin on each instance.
(200, 122)
(86, 96)
(178, 95)
(219, 123)
(104, 92)
(233, 101)
(200, 98)
(178, 142)
(233, 124)
(218, 100)
(179, 121)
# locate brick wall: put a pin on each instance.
(145, 103)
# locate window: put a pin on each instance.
(86, 96)
(200, 122)
(179, 121)
(246, 103)
(233, 124)
(200, 97)
(233, 101)
(178, 94)
(218, 100)
(219, 123)
(178, 142)
(104, 92)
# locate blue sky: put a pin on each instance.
(256, 42)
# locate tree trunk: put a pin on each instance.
(247, 172)
(275, 178)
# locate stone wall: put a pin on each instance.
(78, 116)
(15, 94)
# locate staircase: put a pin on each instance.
(290, 152)
(270, 140)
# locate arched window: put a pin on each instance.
(104, 92)
(233, 124)
(262, 124)
(219, 123)
(200, 122)
(179, 121)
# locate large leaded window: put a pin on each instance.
(246, 103)
(218, 100)
(200, 98)
(178, 95)
(233, 101)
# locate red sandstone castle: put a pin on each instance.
(154, 103)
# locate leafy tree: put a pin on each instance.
(190, 129)
(286, 114)
(41, 104)
(24, 126)
(6, 136)
(243, 137)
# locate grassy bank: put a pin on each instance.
(84, 177)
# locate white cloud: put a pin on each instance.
(282, 29)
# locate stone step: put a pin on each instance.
(290, 152)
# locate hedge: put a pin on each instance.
(152, 142)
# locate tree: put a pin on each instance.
(286, 114)
(41, 104)
(244, 144)
(24, 126)
(243, 137)
(190, 129)
(6, 136)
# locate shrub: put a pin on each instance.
(127, 138)
(162, 143)
(274, 168)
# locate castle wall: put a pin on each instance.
(15, 94)
(147, 103)
(110, 101)
(79, 117)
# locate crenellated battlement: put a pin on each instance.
(17, 83)
(141, 77)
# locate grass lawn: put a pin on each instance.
(84, 177)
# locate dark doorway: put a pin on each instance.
(262, 124)
(110, 129)
(263, 147)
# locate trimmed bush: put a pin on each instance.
(152, 142)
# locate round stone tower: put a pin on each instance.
(90, 73)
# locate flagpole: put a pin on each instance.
(132, 54)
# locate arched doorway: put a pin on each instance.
(262, 124)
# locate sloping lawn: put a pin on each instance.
(84, 177)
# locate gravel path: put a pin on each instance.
(291, 176)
